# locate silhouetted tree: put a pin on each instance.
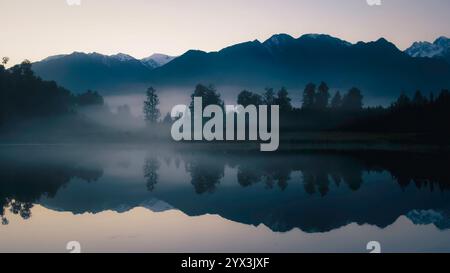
(403, 101)
(208, 94)
(419, 99)
(246, 98)
(322, 97)
(5, 60)
(352, 101)
(443, 99)
(309, 95)
(167, 119)
(283, 100)
(269, 96)
(89, 98)
(24, 96)
(24, 69)
(431, 97)
(336, 101)
(151, 104)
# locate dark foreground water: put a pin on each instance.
(156, 199)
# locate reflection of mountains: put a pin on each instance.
(313, 192)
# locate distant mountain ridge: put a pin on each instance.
(81, 71)
(379, 68)
(153, 61)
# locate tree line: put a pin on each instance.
(313, 99)
(23, 95)
(321, 111)
(418, 114)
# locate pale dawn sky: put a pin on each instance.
(35, 29)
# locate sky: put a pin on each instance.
(35, 29)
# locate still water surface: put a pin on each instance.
(156, 199)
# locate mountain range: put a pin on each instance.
(438, 49)
(81, 71)
(379, 68)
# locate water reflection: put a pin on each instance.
(206, 173)
(141, 230)
(25, 180)
(151, 168)
(315, 192)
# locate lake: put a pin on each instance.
(165, 199)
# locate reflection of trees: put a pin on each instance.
(16, 207)
(337, 179)
(151, 176)
(22, 184)
(282, 175)
(278, 171)
(323, 183)
(353, 178)
(425, 171)
(177, 162)
(21, 208)
(320, 171)
(309, 183)
(205, 174)
(168, 161)
(250, 173)
(336, 182)
(2, 212)
(316, 182)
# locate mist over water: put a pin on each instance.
(171, 97)
(168, 99)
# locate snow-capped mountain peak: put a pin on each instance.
(122, 57)
(439, 48)
(278, 39)
(442, 42)
(157, 60)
